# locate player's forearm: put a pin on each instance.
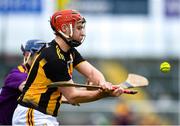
(65, 101)
(83, 96)
(90, 72)
(96, 77)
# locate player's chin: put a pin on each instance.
(81, 38)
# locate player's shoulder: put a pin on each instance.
(17, 69)
(49, 52)
(15, 73)
(49, 47)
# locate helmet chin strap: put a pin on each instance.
(67, 39)
(73, 43)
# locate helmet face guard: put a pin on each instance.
(69, 18)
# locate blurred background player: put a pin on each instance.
(15, 80)
(39, 105)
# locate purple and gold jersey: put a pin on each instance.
(9, 93)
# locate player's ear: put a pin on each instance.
(64, 28)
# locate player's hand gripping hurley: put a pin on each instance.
(132, 81)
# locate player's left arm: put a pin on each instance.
(90, 72)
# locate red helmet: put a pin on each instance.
(60, 18)
(65, 17)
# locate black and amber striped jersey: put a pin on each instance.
(51, 65)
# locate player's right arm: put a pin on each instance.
(89, 71)
(75, 96)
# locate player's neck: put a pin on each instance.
(65, 47)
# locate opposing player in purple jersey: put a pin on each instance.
(15, 80)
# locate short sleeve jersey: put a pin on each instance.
(51, 65)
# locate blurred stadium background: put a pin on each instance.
(122, 35)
